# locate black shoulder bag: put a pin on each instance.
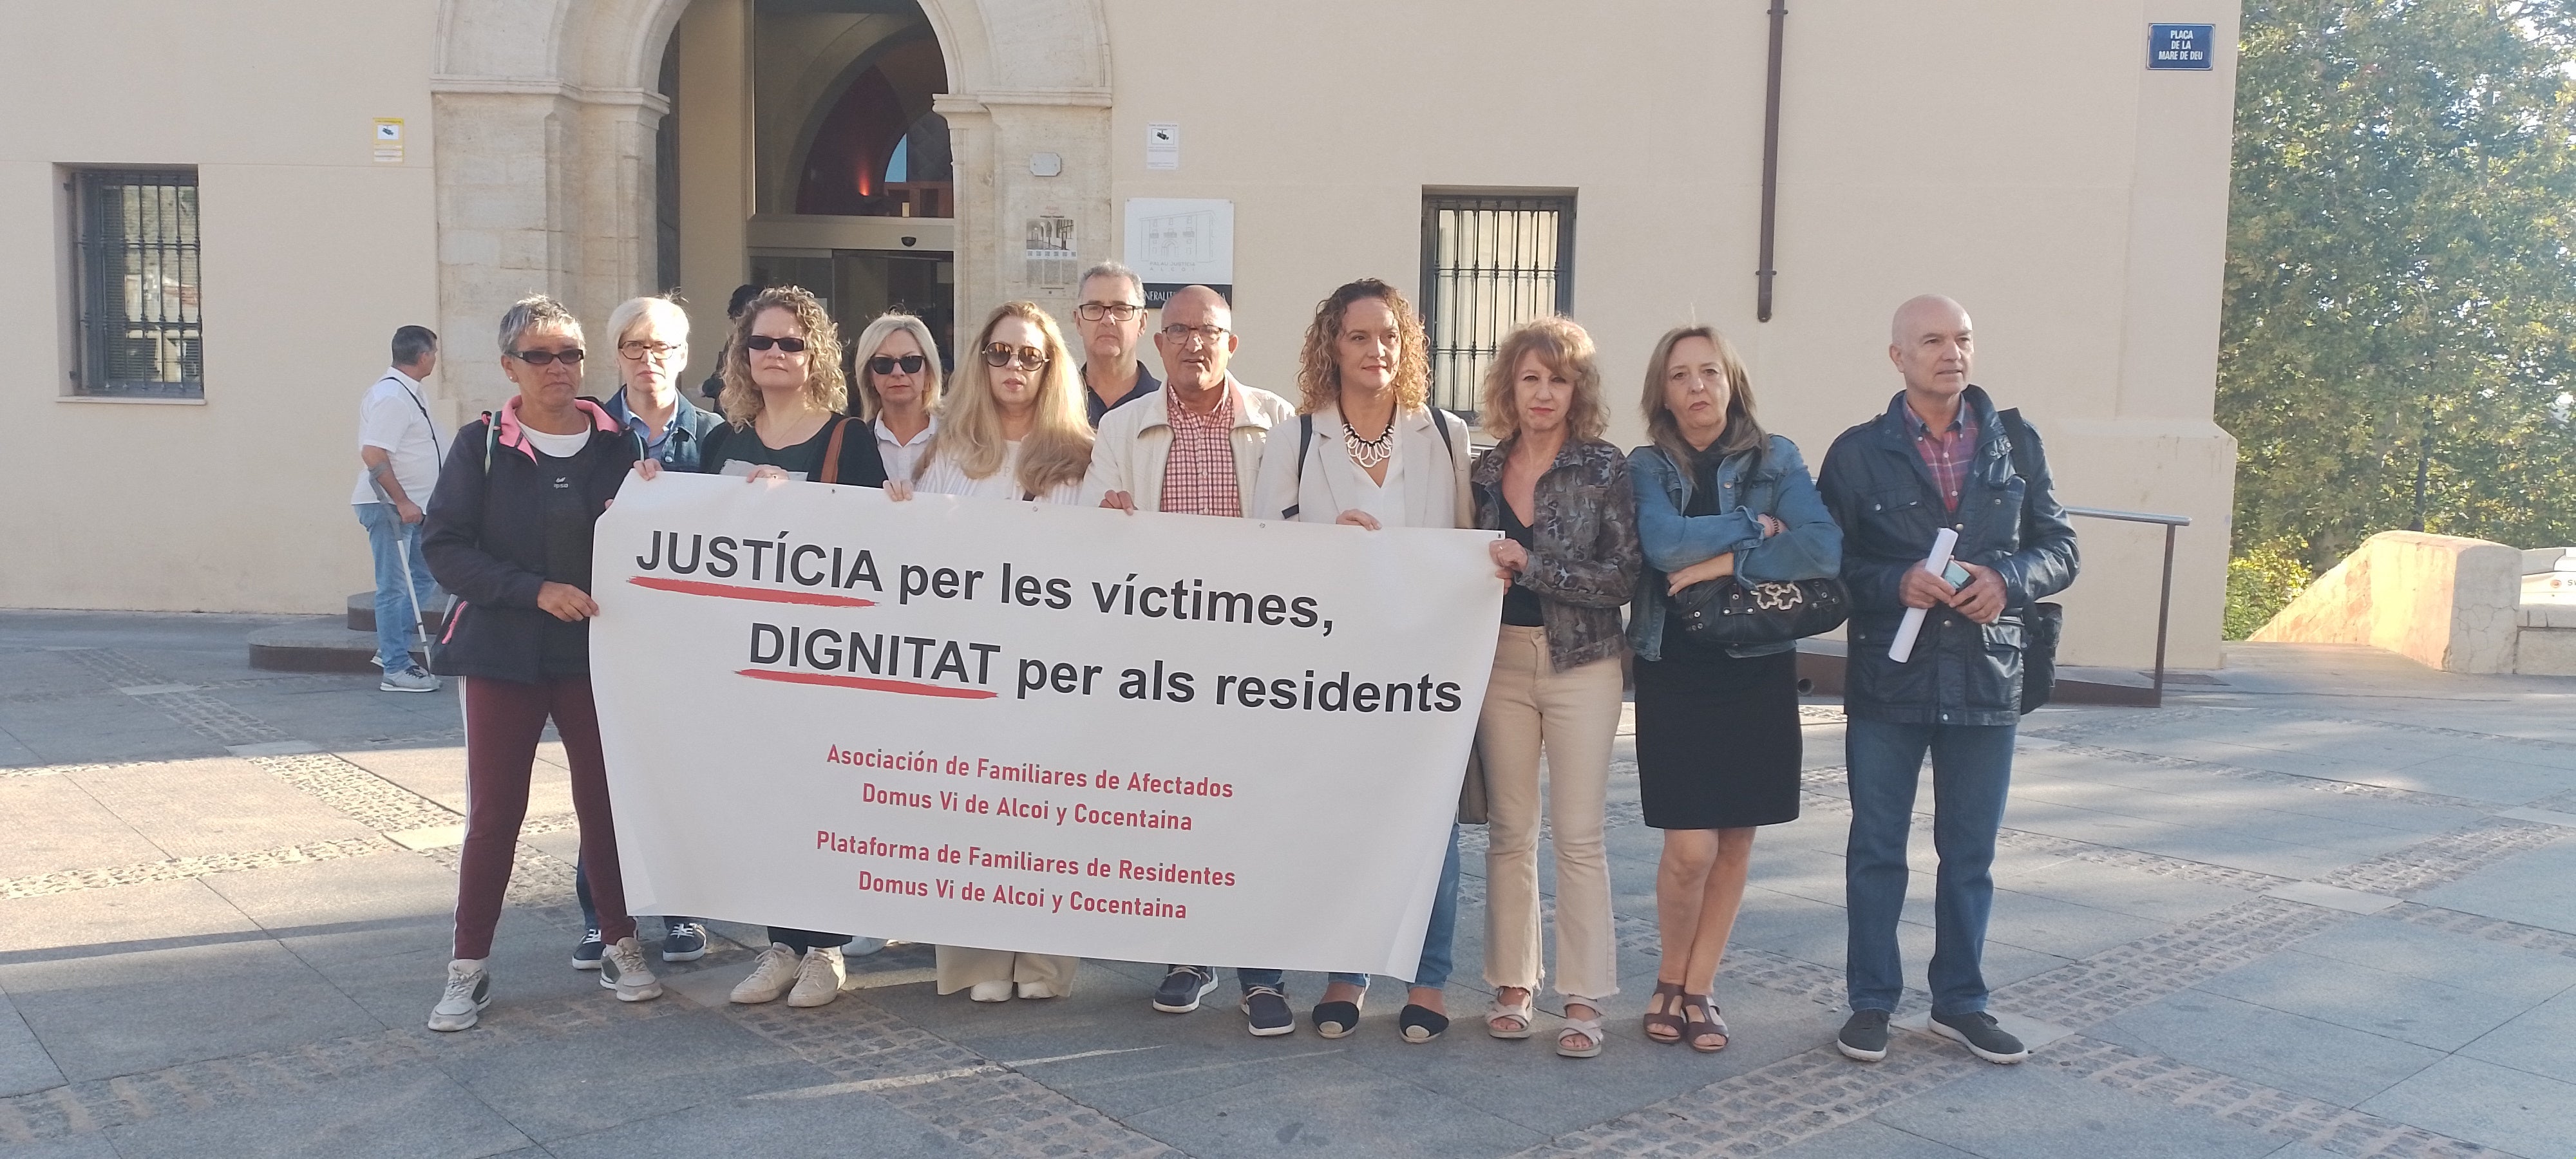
(1731, 611)
(2041, 622)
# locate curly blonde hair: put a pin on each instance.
(825, 386)
(1057, 450)
(1565, 349)
(1319, 373)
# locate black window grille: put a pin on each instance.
(1488, 265)
(137, 283)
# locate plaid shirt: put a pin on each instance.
(1198, 478)
(1949, 454)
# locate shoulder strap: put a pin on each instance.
(831, 471)
(2019, 432)
(1305, 438)
(1440, 423)
(491, 440)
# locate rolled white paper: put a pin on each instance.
(1902, 648)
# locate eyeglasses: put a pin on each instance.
(1002, 354)
(764, 342)
(641, 350)
(542, 357)
(1182, 335)
(884, 364)
(1120, 311)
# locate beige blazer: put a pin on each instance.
(1434, 473)
(1134, 443)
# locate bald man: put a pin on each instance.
(1191, 447)
(1941, 456)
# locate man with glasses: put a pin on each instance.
(399, 452)
(1191, 447)
(1111, 319)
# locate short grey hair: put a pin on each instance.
(658, 307)
(1113, 269)
(529, 313)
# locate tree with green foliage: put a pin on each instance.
(2399, 335)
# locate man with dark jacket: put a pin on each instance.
(1941, 456)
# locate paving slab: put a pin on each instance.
(1871, 1138)
(2512, 1110)
(2381, 1002)
(412, 1111)
(2536, 888)
(1338, 1108)
(120, 1013)
(95, 920)
(55, 825)
(858, 1123)
(2304, 1056)
(24, 1065)
(2519, 973)
(2541, 1040)
(391, 885)
(2029, 1112)
(552, 1088)
(205, 808)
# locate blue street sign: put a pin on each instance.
(2180, 45)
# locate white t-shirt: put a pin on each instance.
(945, 477)
(899, 457)
(558, 446)
(394, 417)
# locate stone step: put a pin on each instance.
(314, 644)
(362, 611)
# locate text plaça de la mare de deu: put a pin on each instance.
(777, 562)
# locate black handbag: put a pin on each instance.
(2040, 624)
(1730, 611)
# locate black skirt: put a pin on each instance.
(1717, 739)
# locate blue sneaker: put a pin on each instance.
(586, 955)
(686, 940)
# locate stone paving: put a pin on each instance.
(2324, 904)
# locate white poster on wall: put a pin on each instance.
(1156, 738)
(1176, 241)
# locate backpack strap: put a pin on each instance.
(831, 472)
(1440, 423)
(1305, 438)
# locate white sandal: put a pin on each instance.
(1523, 1011)
(1589, 1028)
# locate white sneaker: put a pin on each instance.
(818, 980)
(990, 992)
(771, 974)
(469, 990)
(1038, 990)
(622, 969)
(412, 679)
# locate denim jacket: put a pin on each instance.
(1773, 483)
(1583, 544)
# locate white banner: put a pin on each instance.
(1156, 738)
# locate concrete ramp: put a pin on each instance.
(2440, 600)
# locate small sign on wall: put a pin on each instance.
(1174, 242)
(389, 142)
(1163, 145)
(1051, 253)
(2181, 46)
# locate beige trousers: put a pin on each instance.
(964, 966)
(1573, 717)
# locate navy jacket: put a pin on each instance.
(1875, 484)
(690, 426)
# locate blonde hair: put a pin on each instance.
(662, 308)
(1742, 433)
(1564, 348)
(872, 339)
(1319, 373)
(1057, 450)
(824, 385)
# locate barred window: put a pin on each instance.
(1488, 265)
(135, 278)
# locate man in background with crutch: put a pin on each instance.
(400, 449)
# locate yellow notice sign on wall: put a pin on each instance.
(389, 140)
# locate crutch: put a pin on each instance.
(402, 553)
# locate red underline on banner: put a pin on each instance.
(870, 684)
(739, 592)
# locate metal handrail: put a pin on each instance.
(2164, 598)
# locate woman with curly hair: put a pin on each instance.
(1369, 452)
(782, 398)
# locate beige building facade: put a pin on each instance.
(2016, 154)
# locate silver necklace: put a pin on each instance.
(1369, 452)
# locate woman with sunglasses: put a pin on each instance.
(899, 389)
(782, 400)
(1013, 429)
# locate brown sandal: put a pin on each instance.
(1697, 1028)
(1675, 1028)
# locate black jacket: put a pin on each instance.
(1876, 486)
(485, 540)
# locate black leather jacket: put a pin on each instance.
(1875, 484)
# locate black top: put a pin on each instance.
(1146, 384)
(563, 647)
(1521, 608)
(1703, 501)
(861, 465)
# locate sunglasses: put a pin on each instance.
(764, 342)
(543, 357)
(1002, 354)
(883, 364)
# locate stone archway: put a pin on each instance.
(543, 121)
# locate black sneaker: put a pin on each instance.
(1864, 1038)
(1182, 988)
(1983, 1038)
(1268, 1011)
(684, 941)
(586, 955)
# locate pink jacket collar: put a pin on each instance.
(511, 435)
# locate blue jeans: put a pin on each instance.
(1439, 939)
(1971, 775)
(589, 915)
(394, 609)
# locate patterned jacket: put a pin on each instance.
(1583, 544)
